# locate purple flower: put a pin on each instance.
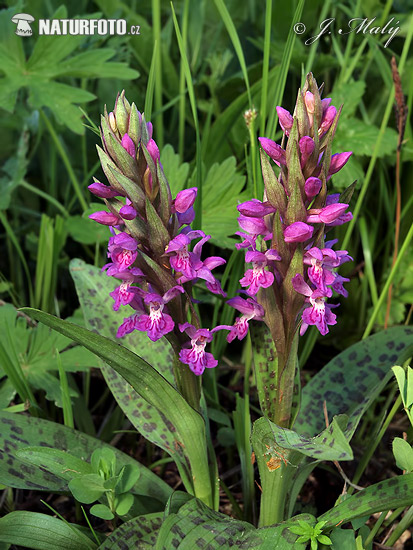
(123, 295)
(106, 218)
(329, 214)
(316, 311)
(307, 146)
(320, 263)
(153, 150)
(312, 187)
(250, 309)
(328, 117)
(258, 277)
(128, 325)
(337, 285)
(181, 259)
(273, 150)
(337, 162)
(255, 208)
(183, 205)
(196, 357)
(285, 119)
(249, 242)
(298, 232)
(204, 272)
(157, 323)
(103, 191)
(184, 200)
(128, 212)
(122, 249)
(128, 145)
(254, 226)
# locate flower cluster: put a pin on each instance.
(157, 256)
(293, 267)
(149, 250)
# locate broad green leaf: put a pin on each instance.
(396, 492)
(403, 453)
(93, 288)
(137, 534)
(330, 444)
(21, 431)
(84, 230)
(42, 532)
(87, 488)
(343, 539)
(222, 188)
(123, 503)
(50, 60)
(355, 135)
(156, 390)
(62, 464)
(352, 380)
(196, 525)
(101, 511)
(176, 172)
(128, 477)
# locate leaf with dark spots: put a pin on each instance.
(150, 422)
(138, 534)
(195, 525)
(15, 472)
(351, 381)
(393, 493)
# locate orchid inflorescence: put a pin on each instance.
(293, 268)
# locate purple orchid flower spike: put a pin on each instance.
(157, 323)
(258, 276)
(196, 357)
(250, 310)
(316, 311)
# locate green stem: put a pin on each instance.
(66, 161)
(188, 384)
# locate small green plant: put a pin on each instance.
(313, 533)
(106, 480)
